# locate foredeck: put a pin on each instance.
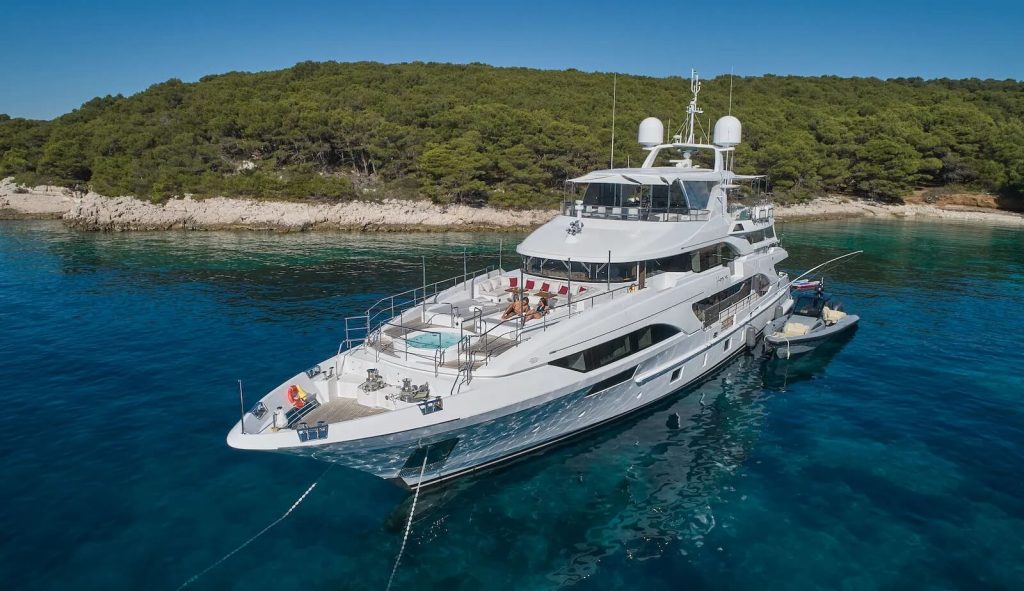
(339, 410)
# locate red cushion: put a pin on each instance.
(530, 283)
(563, 290)
(513, 281)
(545, 287)
(581, 289)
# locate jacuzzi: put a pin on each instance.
(425, 344)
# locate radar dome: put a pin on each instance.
(728, 131)
(652, 132)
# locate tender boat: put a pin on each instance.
(805, 284)
(653, 280)
(814, 320)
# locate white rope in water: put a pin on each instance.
(301, 498)
(408, 524)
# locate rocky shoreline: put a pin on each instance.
(98, 213)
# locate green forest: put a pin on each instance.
(510, 137)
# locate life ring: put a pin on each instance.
(296, 396)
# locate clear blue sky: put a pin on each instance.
(54, 55)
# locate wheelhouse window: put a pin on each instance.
(697, 193)
(618, 348)
(679, 194)
(612, 195)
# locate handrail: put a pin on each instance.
(590, 298)
(415, 296)
(643, 213)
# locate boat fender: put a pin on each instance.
(297, 396)
(778, 313)
(751, 337)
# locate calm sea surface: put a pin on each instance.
(895, 461)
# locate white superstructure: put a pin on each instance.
(653, 281)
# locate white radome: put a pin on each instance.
(728, 131)
(652, 132)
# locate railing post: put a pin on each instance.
(423, 262)
(241, 403)
(568, 279)
(608, 270)
(500, 244)
(465, 268)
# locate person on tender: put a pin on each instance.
(537, 313)
(518, 307)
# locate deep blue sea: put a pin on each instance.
(892, 461)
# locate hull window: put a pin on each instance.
(615, 380)
(618, 348)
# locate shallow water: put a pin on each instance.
(893, 460)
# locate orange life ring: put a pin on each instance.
(296, 397)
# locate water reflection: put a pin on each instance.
(642, 489)
(778, 374)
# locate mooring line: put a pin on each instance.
(301, 498)
(408, 524)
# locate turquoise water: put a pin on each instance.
(432, 340)
(892, 461)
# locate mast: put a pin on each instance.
(692, 110)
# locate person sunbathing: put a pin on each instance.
(516, 308)
(537, 313)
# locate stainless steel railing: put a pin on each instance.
(358, 329)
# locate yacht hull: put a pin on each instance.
(462, 446)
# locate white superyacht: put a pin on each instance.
(652, 278)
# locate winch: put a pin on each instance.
(373, 381)
(411, 393)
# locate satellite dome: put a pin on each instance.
(652, 132)
(728, 131)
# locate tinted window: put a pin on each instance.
(611, 195)
(698, 193)
(616, 379)
(616, 349)
(709, 309)
(558, 269)
(700, 260)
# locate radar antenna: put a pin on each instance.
(692, 110)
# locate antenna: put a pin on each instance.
(611, 159)
(692, 109)
(730, 90)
